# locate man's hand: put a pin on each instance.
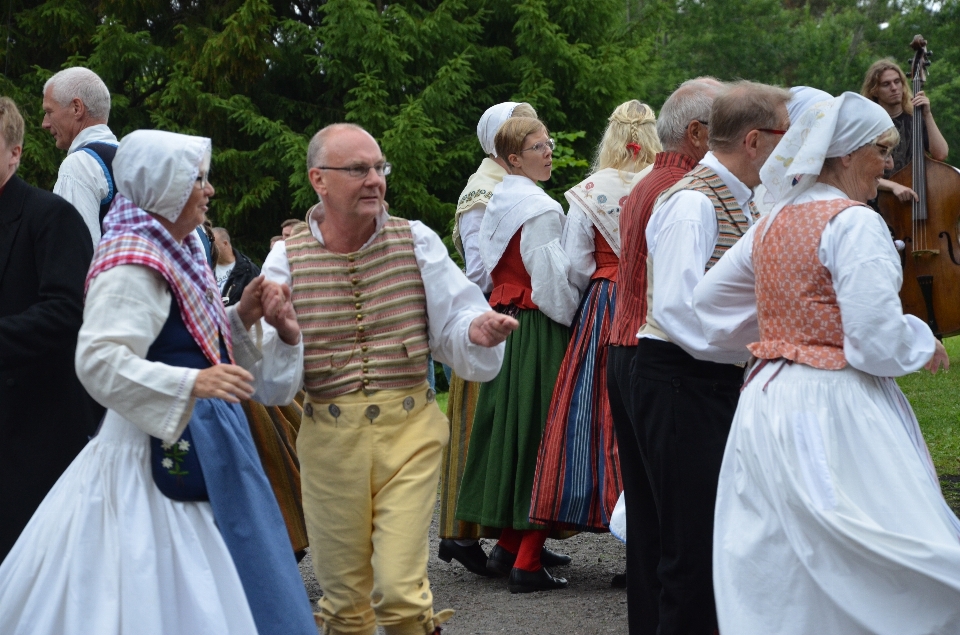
(249, 309)
(279, 313)
(491, 328)
(223, 381)
(921, 99)
(903, 192)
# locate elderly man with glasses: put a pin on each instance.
(374, 295)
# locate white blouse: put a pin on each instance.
(579, 243)
(453, 302)
(470, 223)
(125, 309)
(857, 250)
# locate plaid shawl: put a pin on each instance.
(134, 237)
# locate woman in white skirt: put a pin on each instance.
(829, 514)
(165, 523)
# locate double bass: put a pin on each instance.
(927, 228)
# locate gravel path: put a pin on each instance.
(484, 606)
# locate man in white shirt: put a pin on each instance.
(76, 107)
(689, 388)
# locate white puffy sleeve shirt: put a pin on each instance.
(453, 302)
(125, 309)
(579, 243)
(549, 267)
(681, 236)
(857, 250)
(470, 222)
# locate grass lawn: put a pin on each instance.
(936, 401)
(442, 398)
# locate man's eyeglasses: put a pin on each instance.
(361, 171)
(542, 147)
(771, 130)
(203, 180)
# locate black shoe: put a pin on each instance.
(552, 559)
(619, 581)
(528, 581)
(500, 561)
(474, 558)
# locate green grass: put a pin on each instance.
(936, 401)
(442, 398)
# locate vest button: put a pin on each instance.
(363, 348)
(364, 370)
(356, 294)
(355, 281)
(351, 258)
(366, 359)
(358, 305)
(360, 328)
(365, 381)
(353, 269)
(359, 316)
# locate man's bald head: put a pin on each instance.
(316, 154)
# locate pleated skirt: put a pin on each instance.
(829, 515)
(508, 425)
(577, 480)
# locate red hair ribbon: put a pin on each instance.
(635, 148)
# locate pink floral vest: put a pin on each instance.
(796, 304)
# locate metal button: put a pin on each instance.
(334, 410)
(409, 403)
(364, 370)
(360, 328)
(351, 258)
(366, 359)
(356, 294)
(308, 409)
(431, 395)
(358, 305)
(373, 412)
(352, 270)
(354, 281)
(363, 348)
(365, 381)
(359, 316)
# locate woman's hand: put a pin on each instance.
(940, 358)
(279, 313)
(250, 307)
(223, 381)
(491, 328)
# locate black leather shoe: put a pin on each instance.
(528, 581)
(500, 561)
(474, 558)
(553, 559)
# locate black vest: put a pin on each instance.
(103, 153)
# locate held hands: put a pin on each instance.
(270, 301)
(223, 381)
(940, 358)
(491, 328)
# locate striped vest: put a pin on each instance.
(731, 226)
(363, 315)
(796, 305)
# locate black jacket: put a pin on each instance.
(46, 416)
(243, 272)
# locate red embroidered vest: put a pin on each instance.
(796, 305)
(511, 282)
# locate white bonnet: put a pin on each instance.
(490, 122)
(156, 170)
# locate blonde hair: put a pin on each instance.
(11, 123)
(631, 123)
(523, 109)
(510, 136)
(871, 83)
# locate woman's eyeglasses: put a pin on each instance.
(542, 147)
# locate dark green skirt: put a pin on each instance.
(511, 413)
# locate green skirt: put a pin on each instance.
(509, 420)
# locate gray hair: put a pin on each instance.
(692, 100)
(83, 84)
(315, 148)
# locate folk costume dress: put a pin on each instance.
(577, 481)
(107, 552)
(463, 395)
(829, 515)
(520, 246)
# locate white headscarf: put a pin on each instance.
(156, 170)
(490, 122)
(803, 98)
(828, 129)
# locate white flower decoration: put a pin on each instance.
(166, 446)
(167, 463)
(184, 445)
